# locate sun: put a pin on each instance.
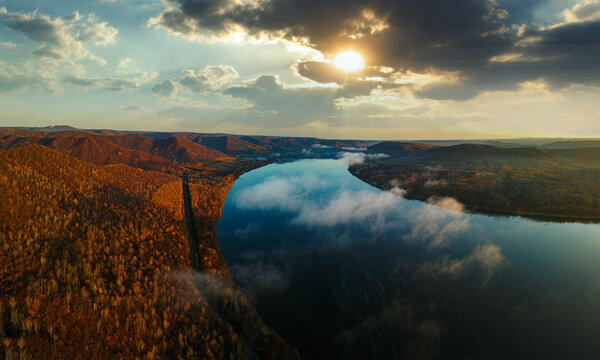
(349, 61)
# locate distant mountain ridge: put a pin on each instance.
(397, 147)
(223, 143)
(170, 150)
(572, 144)
(208, 146)
(94, 149)
(588, 156)
(473, 151)
(167, 155)
(173, 148)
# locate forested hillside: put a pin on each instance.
(94, 264)
(528, 181)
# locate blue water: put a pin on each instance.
(343, 270)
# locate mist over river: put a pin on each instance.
(343, 270)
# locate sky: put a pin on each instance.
(379, 69)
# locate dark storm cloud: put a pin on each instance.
(560, 56)
(567, 54)
(519, 11)
(321, 72)
(394, 33)
(585, 11)
(438, 35)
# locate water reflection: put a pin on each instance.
(345, 271)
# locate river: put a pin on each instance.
(343, 270)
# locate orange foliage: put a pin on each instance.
(94, 264)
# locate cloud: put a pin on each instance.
(421, 334)
(131, 82)
(446, 203)
(355, 158)
(295, 194)
(436, 225)
(269, 98)
(246, 230)
(374, 211)
(211, 287)
(124, 64)
(209, 78)
(398, 191)
(27, 77)
(355, 83)
(394, 31)
(277, 192)
(260, 278)
(277, 104)
(166, 88)
(560, 56)
(435, 183)
(61, 38)
(488, 257)
(349, 207)
(7, 44)
(133, 108)
(462, 41)
(321, 72)
(586, 11)
(206, 80)
(321, 146)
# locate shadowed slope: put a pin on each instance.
(587, 156)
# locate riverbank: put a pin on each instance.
(544, 191)
(204, 196)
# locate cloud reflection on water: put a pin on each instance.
(314, 202)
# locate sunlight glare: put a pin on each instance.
(349, 61)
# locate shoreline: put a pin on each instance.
(232, 306)
(478, 210)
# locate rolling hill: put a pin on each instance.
(588, 156)
(572, 144)
(395, 148)
(173, 148)
(148, 153)
(479, 151)
(93, 148)
(224, 143)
